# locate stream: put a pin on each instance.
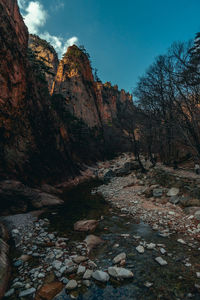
(121, 233)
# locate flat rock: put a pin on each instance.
(27, 292)
(100, 276)
(48, 291)
(81, 270)
(86, 225)
(150, 246)
(120, 273)
(117, 259)
(161, 261)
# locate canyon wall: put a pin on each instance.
(54, 117)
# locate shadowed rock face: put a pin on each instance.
(34, 145)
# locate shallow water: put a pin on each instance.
(174, 281)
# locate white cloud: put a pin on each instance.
(35, 17)
(59, 43)
(22, 4)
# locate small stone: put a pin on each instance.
(162, 250)
(87, 283)
(9, 293)
(181, 241)
(100, 276)
(140, 249)
(57, 264)
(198, 274)
(81, 270)
(87, 274)
(148, 284)
(71, 285)
(119, 257)
(157, 193)
(27, 292)
(79, 259)
(161, 261)
(151, 246)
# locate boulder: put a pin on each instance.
(120, 273)
(49, 291)
(92, 241)
(16, 197)
(86, 225)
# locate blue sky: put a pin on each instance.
(122, 36)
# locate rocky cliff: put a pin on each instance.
(34, 146)
(54, 117)
(48, 57)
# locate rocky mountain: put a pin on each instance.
(54, 117)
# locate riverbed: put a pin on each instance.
(121, 234)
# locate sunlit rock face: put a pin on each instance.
(75, 82)
(47, 55)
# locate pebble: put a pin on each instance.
(9, 293)
(198, 274)
(181, 241)
(140, 249)
(87, 274)
(117, 259)
(71, 285)
(161, 261)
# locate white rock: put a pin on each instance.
(87, 274)
(162, 250)
(181, 241)
(151, 246)
(198, 274)
(71, 285)
(120, 272)
(161, 261)
(100, 276)
(173, 192)
(119, 257)
(148, 284)
(140, 249)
